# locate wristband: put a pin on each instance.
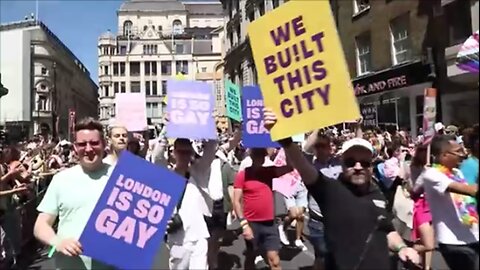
(243, 222)
(285, 142)
(400, 247)
(53, 247)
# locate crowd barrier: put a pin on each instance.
(18, 220)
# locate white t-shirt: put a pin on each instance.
(448, 228)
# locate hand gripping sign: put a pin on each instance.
(301, 68)
(127, 226)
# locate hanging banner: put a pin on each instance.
(369, 114)
(301, 68)
(233, 100)
(429, 114)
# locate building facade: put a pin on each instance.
(383, 42)
(155, 41)
(45, 80)
(238, 61)
(455, 21)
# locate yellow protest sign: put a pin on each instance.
(301, 67)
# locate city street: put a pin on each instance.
(231, 257)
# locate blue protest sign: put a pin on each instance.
(127, 226)
(190, 110)
(254, 133)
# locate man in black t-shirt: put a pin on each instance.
(358, 229)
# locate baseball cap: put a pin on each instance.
(451, 129)
(356, 142)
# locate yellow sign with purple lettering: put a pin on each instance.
(301, 67)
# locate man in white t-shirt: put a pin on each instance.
(458, 242)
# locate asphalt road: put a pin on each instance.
(231, 254)
(231, 257)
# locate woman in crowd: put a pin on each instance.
(422, 232)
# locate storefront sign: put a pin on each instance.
(394, 78)
(369, 114)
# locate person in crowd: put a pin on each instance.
(118, 141)
(217, 221)
(188, 231)
(422, 231)
(71, 197)
(452, 205)
(362, 242)
(470, 166)
(296, 206)
(254, 206)
(317, 150)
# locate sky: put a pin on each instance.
(78, 23)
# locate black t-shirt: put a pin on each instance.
(349, 220)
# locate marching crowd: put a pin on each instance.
(366, 196)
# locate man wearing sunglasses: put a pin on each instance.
(358, 229)
(71, 196)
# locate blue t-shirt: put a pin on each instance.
(469, 168)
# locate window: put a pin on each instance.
(42, 103)
(251, 15)
(179, 49)
(115, 87)
(399, 38)
(177, 27)
(127, 28)
(122, 87)
(123, 50)
(134, 68)
(146, 68)
(115, 69)
(153, 68)
(166, 68)
(44, 71)
(147, 88)
(164, 88)
(150, 49)
(106, 70)
(459, 21)
(107, 91)
(154, 88)
(152, 110)
(182, 66)
(204, 69)
(122, 69)
(363, 53)
(360, 5)
(135, 87)
(275, 3)
(261, 8)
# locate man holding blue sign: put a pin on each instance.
(72, 196)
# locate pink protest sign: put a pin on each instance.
(285, 184)
(130, 110)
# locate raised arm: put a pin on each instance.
(233, 141)
(209, 150)
(293, 153)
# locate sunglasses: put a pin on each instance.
(84, 144)
(351, 162)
